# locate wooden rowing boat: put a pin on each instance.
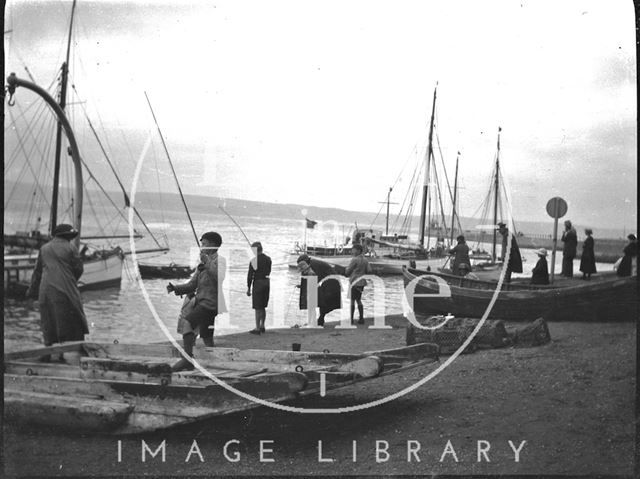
(130, 388)
(606, 297)
(170, 271)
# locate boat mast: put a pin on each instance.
(455, 191)
(13, 82)
(495, 196)
(64, 73)
(425, 188)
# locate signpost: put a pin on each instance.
(556, 208)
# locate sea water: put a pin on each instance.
(141, 311)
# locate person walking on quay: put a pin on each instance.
(515, 259)
(358, 267)
(540, 272)
(258, 277)
(328, 291)
(570, 240)
(461, 264)
(208, 301)
(626, 267)
(54, 283)
(588, 257)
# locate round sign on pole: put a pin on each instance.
(557, 207)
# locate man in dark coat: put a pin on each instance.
(55, 283)
(328, 291)
(540, 272)
(588, 257)
(569, 249)
(461, 263)
(515, 259)
(258, 277)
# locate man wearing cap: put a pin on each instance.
(540, 272)
(55, 283)
(206, 285)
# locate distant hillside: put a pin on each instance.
(235, 207)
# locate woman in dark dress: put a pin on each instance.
(328, 292)
(588, 258)
(630, 253)
(540, 272)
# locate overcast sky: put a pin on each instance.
(323, 102)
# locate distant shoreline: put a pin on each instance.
(607, 250)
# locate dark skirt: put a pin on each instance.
(328, 295)
(60, 321)
(260, 293)
(588, 262)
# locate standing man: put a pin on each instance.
(206, 283)
(358, 267)
(55, 283)
(570, 240)
(461, 263)
(258, 276)
(515, 259)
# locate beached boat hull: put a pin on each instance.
(127, 388)
(609, 298)
(164, 271)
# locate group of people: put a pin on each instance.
(59, 266)
(461, 265)
(329, 291)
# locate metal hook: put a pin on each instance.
(12, 100)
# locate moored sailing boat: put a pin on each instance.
(387, 253)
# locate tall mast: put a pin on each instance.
(425, 188)
(455, 191)
(62, 102)
(495, 196)
(388, 202)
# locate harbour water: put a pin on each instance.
(142, 311)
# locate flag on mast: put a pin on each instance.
(310, 223)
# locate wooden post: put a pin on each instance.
(553, 251)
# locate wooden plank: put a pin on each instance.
(409, 352)
(135, 364)
(64, 411)
(37, 352)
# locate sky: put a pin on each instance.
(328, 103)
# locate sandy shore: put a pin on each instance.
(572, 401)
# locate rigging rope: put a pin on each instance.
(173, 170)
(124, 192)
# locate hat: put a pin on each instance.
(631, 237)
(501, 225)
(65, 230)
(212, 236)
(305, 258)
(542, 252)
